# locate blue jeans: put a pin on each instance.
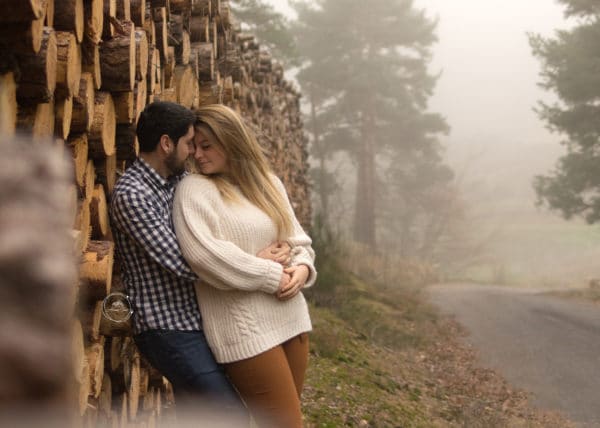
(185, 359)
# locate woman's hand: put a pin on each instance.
(298, 276)
(279, 252)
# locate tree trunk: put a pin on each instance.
(117, 62)
(79, 150)
(99, 215)
(110, 13)
(68, 70)
(37, 120)
(83, 105)
(138, 12)
(22, 37)
(364, 223)
(141, 55)
(64, 114)
(102, 131)
(106, 171)
(184, 84)
(206, 61)
(90, 61)
(202, 8)
(127, 144)
(90, 321)
(69, 16)
(199, 29)
(123, 10)
(22, 10)
(159, 16)
(124, 107)
(96, 269)
(93, 12)
(8, 104)
(38, 70)
(95, 357)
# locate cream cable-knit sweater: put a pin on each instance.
(219, 239)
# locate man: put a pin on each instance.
(167, 322)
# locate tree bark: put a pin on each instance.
(106, 172)
(102, 131)
(63, 116)
(141, 54)
(206, 61)
(138, 12)
(110, 13)
(199, 29)
(95, 357)
(78, 145)
(8, 104)
(69, 16)
(93, 12)
(96, 269)
(99, 215)
(37, 120)
(184, 85)
(202, 8)
(117, 62)
(38, 71)
(22, 10)
(124, 10)
(83, 105)
(90, 61)
(364, 223)
(68, 70)
(126, 142)
(124, 107)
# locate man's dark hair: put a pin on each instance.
(160, 118)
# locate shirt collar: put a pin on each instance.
(156, 178)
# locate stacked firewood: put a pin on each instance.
(78, 73)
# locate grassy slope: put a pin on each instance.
(383, 358)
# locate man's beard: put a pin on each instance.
(174, 165)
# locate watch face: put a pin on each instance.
(116, 307)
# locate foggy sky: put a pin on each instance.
(488, 84)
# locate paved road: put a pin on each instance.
(545, 345)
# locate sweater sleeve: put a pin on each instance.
(302, 251)
(218, 262)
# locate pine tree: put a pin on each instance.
(365, 74)
(569, 62)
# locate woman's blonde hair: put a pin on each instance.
(248, 167)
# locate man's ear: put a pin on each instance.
(165, 144)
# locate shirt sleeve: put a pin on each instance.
(302, 251)
(220, 263)
(143, 222)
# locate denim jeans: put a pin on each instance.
(185, 359)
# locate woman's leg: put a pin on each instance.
(269, 386)
(296, 352)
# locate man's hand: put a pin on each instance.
(279, 252)
(298, 276)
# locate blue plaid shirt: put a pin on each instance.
(159, 282)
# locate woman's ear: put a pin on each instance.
(166, 144)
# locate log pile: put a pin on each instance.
(78, 73)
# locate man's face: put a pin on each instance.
(185, 147)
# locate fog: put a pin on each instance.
(487, 91)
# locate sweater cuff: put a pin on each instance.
(272, 278)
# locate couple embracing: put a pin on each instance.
(214, 261)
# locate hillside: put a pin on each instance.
(384, 358)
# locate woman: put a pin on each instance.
(255, 318)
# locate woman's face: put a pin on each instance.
(209, 157)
